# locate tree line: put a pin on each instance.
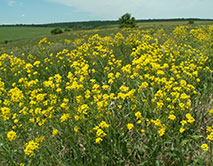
(86, 25)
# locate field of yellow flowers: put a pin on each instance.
(134, 97)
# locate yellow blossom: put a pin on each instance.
(182, 130)
(11, 135)
(138, 115)
(54, 132)
(205, 147)
(172, 117)
(98, 140)
(76, 129)
(130, 126)
(31, 146)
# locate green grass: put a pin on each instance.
(14, 34)
(169, 23)
(19, 33)
(152, 64)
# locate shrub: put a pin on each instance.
(190, 22)
(56, 31)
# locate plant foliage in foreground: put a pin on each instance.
(134, 98)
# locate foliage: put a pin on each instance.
(191, 22)
(126, 21)
(56, 31)
(66, 29)
(137, 97)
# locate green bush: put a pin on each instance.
(190, 22)
(56, 31)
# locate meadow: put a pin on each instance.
(140, 96)
(18, 33)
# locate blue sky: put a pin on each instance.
(50, 11)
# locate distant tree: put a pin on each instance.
(56, 31)
(126, 21)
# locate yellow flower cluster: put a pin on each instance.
(99, 131)
(11, 135)
(31, 146)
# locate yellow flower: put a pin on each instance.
(39, 139)
(160, 72)
(5, 111)
(190, 118)
(105, 87)
(30, 147)
(65, 117)
(98, 140)
(142, 130)
(183, 83)
(183, 122)
(205, 147)
(100, 133)
(119, 106)
(161, 132)
(16, 94)
(144, 85)
(31, 120)
(55, 132)
(130, 126)
(76, 129)
(182, 130)
(11, 135)
(211, 112)
(184, 96)
(210, 137)
(209, 129)
(103, 124)
(133, 107)
(139, 122)
(138, 115)
(172, 117)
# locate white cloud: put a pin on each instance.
(112, 9)
(11, 3)
(22, 15)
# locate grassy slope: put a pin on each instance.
(18, 33)
(20, 37)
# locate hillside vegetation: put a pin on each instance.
(139, 96)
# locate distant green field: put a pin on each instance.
(18, 33)
(169, 23)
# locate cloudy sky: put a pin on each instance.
(49, 11)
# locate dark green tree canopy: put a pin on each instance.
(126, 21)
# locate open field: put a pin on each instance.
(19, 33)
(169, 23)
(112, 96)
(12, 34)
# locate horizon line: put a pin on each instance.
(113, 20)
